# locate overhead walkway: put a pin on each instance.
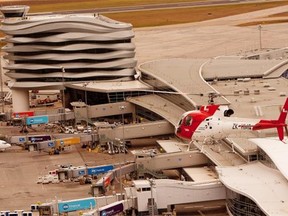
(171, 192)
(221, 154)
(165, 108)
(134, 131)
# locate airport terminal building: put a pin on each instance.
(93, 58)
(48, 51)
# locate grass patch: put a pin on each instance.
(47, 6)
(188, 15)
(263, 22)
(152, 17)
(284, 14)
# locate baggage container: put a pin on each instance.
(5, 213)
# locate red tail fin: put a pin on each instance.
(280, 131)
(279, 124)
(283, 113)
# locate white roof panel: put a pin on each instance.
(200, 174)
(170, 146)
(112, 86)
(264, 185)
(276, 150)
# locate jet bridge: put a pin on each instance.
(166, 109)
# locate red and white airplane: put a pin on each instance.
(213, 122)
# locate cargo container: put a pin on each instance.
(5, 213)
(34, 207)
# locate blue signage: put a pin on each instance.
(39, 138)
(51, 144)
(21, 139)
(99, 169)
(37, 120)
(81, 172)
(113, 210)
(76, 205)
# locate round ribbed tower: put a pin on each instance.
(45, 51)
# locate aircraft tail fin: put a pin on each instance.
(279, 124)
(280, 131)
(283, 113)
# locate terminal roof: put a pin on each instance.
(111, 86)
(267, 187)
(276, 150)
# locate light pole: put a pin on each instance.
(260, 36)
(122, 115)
(1, 77)
(152, 184)
(87, 117)
(63, 94)
(123, 143)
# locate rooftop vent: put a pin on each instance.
(247, 79)
(256, 91)
(271, 89)
(236, 92)
(246, 92)
(266, 85)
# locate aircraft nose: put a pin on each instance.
(8, 145)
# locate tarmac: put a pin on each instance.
(208, 39)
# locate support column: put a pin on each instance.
(20, 100)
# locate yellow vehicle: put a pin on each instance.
(60, 144)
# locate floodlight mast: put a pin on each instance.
(63, 93)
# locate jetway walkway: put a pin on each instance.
(221, 154)
(165, 108)
(164, 194)
(133, 131)
(161, 106)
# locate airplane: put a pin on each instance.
(213, 122)
(4, 145)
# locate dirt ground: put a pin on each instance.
(20, 169)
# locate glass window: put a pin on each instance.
(188, 120)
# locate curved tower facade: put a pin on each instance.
(46, 51)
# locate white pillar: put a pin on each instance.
(20, 100)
